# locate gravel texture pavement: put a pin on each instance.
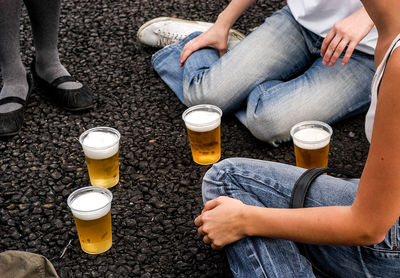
(159, 193)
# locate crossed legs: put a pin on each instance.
(271, 80)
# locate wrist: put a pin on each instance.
(248, 220)
(367, 18)
(224, 22)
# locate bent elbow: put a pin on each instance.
(371, 237)
(369, 229)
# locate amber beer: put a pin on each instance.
(203, 124)
(311, 143)
(101, 148)
(91, 208)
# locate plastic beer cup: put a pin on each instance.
(91, 208)
(311, 143)
(203, 124)
(101, 148)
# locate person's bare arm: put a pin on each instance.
(374, 211)
(379, 190)
(345, 33)
(217, 35)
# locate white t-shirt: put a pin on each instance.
(369, 120)
(319, 16)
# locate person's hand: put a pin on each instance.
(345, 33)
(221, 222)
(215, 37)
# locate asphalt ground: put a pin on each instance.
(159, 193)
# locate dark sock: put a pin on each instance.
(12, 69)
(45, 16)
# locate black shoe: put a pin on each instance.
(11, 122)
(72, 100)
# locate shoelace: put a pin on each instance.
(167, 38)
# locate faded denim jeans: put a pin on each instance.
(271, 80)
(269, 184)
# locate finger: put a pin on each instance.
(198, 221)
(215, 247)
(200, 231)
(349, 52)
(327, 41)
(186, 52)
(338, 51)
(211, 204)
(222, 52)
(207, 240)
(330, 50)
(189, 48)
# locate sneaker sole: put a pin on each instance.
(232, 32)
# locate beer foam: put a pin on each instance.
(90, 205)
(202, 121)
(100, 144)
(311, 138)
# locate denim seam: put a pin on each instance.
(162, 51)
(394, 237)
(381, 250)
(257, 266)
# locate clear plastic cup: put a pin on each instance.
(203, 124)
(91, 208)
(101, 148)
(311, 143)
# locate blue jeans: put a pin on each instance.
(269, 184)
(271, 80)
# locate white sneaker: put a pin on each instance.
(163, 31)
